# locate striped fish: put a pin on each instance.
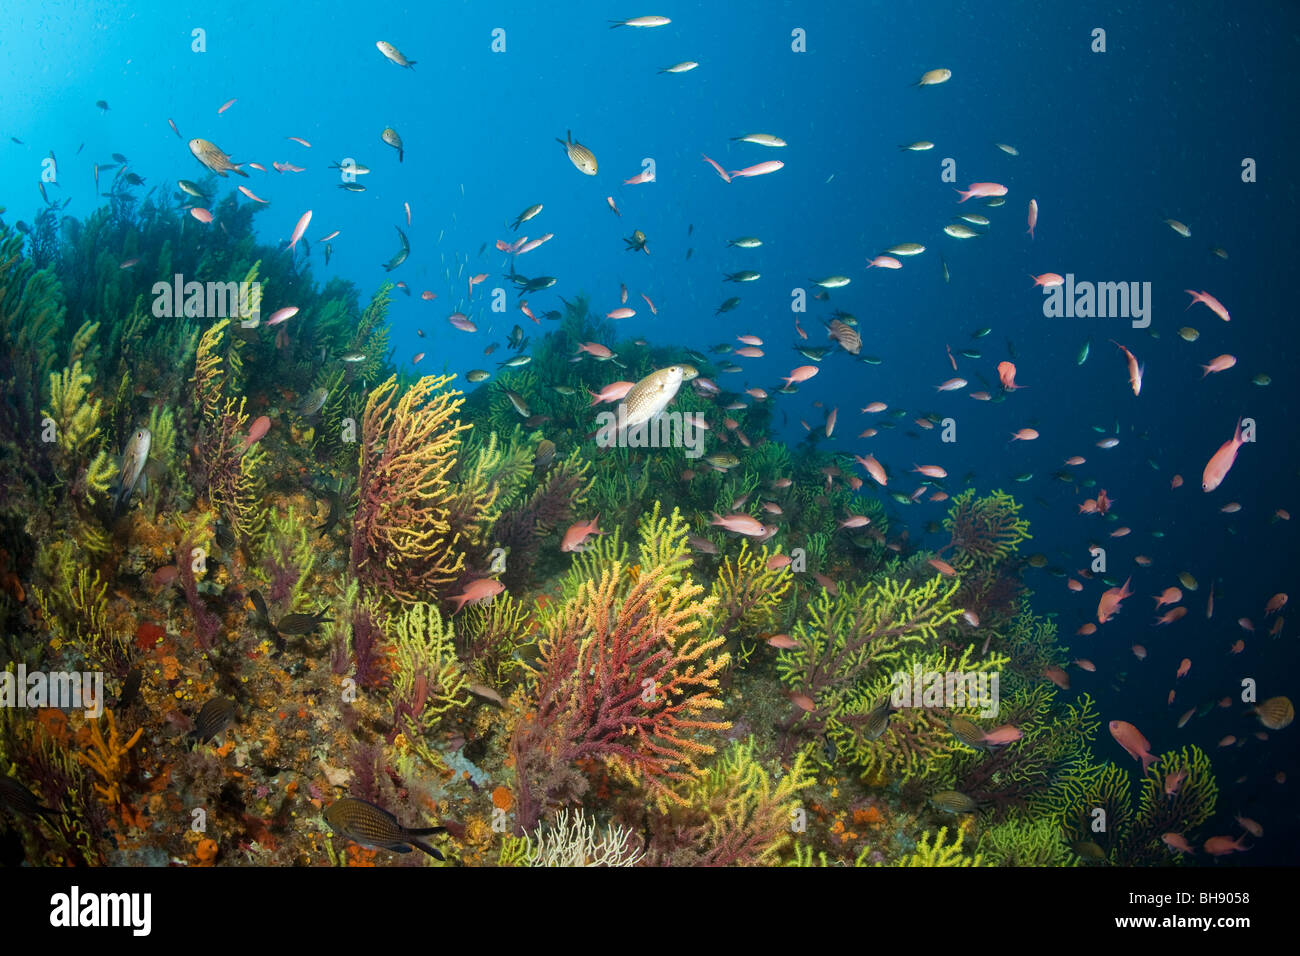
(211, 156)
(845, 336)
(579, 155)
(370, 825)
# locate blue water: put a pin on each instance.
(1110, 144)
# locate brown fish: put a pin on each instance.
(211, 156)
(214, 717)
(845, 336)
(370, 825)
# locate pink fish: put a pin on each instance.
(614, 392)
(202, 215)
(1217, 468)
(282, 315)
(1220, 845)
(1033, 217)
(1210, 302)
(299, 229)
(874, 468)
(884, 262)
(952, 385)
(1183, 668)
(595, 350)
(982, 191)
(800, 374)
(173, 126)
(721, 172)
(740, 524)
(1134, 370)
(1048, 280)
(1007, 376)
(623, 313)
(256, 432)
(653, 310)
(249, 193)
(483, 589)
(1219, 364)
(1000, 736)
(855, 521)
(329, 237)
(428, 295)
(645, 176)
(749, 351)
(578, 533)
(299, 140)
(1173, 781)
(1176, 841)
(532, 244)
(225, 106)
(749, 339)
(759, 169)
(931, 471)
(782, 641)
(1111, 600)
(461, 321)
(1131, 739)
(258, 166)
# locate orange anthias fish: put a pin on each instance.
(1220, 463)
(1007, 375)
(1110, 601)
(1131, 739)
(1134, 370)
(1213, 304)
(578, 533)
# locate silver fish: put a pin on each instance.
(134, 457)
(650, 396)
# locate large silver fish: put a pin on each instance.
(650, 396)
(134, 458)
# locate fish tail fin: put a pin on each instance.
(239, 169)
(425, 831)
(1147, 759)
(432, 851)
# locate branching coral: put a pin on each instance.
(109, 758)
(288, 560)
(577, 841)
(75, 610)
(735, 815)
(553, 505)
(748, 594)
(934, 850)
(492, 636)
(1025, 840)
(916, 742)
(985, 530)
(403, 543)
(863, 629)
(428, 680)
(191, 558)
(231, 472)
(626, 678)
